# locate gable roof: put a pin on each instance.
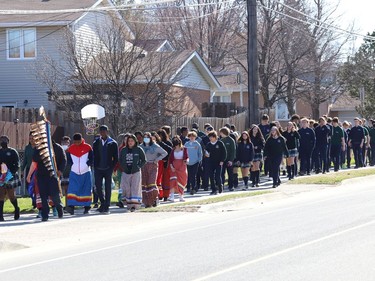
(175, 63)
(150, 45)
(14, 20)
(201, 65)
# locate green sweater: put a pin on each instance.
(230, 145)
(337, 135)
(132, 160)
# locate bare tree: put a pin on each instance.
(201, 25)
(135, 87)
(324, 57)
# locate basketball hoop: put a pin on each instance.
(90, 114)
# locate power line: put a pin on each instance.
(106, 8)
(321, 24)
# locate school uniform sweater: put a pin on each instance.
(217, 151)
(275, 147)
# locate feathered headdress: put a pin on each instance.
(41, 132)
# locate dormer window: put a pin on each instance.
(21, 43)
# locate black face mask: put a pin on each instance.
(4, 144)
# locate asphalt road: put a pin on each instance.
(321, 235)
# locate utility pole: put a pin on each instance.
(252, 63)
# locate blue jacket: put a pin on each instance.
(194, 150)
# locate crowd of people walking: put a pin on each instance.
(157, 165)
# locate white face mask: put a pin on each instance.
(146, 140)
(65, 147)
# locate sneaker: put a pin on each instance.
(192, 192)
(213, 193)
(231, 189)
(220, 189)
(182, 199)
(132, 209)
(100, 209)
(106, 211)
(54, 211)
(60, 213)
(69, 210)
(170, 199)
(17, 213)
(86, 211)
(96, 206)
(44, 219)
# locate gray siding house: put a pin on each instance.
(26, 39)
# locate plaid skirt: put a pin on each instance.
(293, 152)
(258, 157)
(13, 183)
(245, 165)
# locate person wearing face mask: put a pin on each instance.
(105, 159)
(177, 161)
(9, 161)
(65, 143)
(154, 153)
(80, 158)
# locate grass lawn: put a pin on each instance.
(333, 178)
(210, 200)
(26, 205)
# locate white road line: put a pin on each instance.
(171, 234)
(245, 264)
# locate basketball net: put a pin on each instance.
(91, 126)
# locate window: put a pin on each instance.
(282, 112)
(21, 43)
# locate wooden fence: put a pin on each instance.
(239, 120)
(15, 122)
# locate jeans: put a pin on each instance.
(336, 155)
(105, 200)
(372, 162)
(215, 176)
(229, 170)
(192, 176)
(48, 188)
(357, 151)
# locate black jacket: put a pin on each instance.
(307, 140)
(10, 157)
(258, 144)
(111, 154)
(217, 151)
(245, 152)
(275, 147)
(291, 139)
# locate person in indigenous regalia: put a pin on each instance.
(9, 179)
(48, 184)
(80, 158)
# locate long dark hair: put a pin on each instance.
(163, 135)
(148, 134)
(259, 134)
(240, 139)
(156, 136)
(133, 137)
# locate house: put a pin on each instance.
(234, 91)
(27, 38)
(344, 107)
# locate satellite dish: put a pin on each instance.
(92, 111)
